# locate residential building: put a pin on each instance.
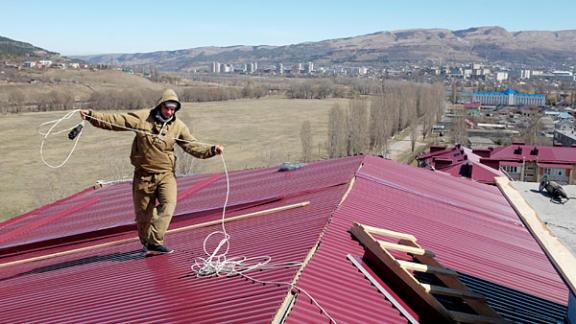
(501, 76)
(565, 137)
(530, 163)
(215, 67)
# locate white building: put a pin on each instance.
(215, 67)
(45, 63)
(501, 76)
(525, 74)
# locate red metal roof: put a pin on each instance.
(452, 159)
(480, 172)
(469, 226)
(542, 153)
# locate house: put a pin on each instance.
(472, 108)
(78, 259)
(531, 163)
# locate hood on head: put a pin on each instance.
(169, 95)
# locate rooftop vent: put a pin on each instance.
(288, 166)
(534, 151)
(518, 150)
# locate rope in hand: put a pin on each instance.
(51, 132)
(216, 263)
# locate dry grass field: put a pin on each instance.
(255, 133)
(82, 83)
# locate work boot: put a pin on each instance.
(151, 249)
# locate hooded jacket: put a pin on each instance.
(154, 153)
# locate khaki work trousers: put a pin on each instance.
(154, 197)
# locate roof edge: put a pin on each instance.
(561, 258)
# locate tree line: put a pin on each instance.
(17, 101)
(369, 121)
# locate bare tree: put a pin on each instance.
(459, 135)
(337, 132)
(413, 133)
(16, 99)
(454, 95)
(533, 126)
(358, 131)
(306, 140)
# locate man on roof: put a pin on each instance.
(154, 186)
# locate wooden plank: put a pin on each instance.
(176, 230)
(389, 233)
(389, 261)
(426, 268)
(404, 248)
(446, 291)
(558, 254)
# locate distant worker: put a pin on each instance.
(154, 163)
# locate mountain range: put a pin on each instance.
(413, 46)
(387, 48)
(13, 49)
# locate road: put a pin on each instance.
(399, 149)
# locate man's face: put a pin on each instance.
(167, 110)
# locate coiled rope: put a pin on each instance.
(216, 264)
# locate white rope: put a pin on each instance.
(216, 263)
(68, 116)
(49, 132)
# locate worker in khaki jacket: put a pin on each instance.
(154, 163)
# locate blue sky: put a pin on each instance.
(128, 26)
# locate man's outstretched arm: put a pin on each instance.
(117, 122)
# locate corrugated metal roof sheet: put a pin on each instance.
(470, 227)
(118, 284)
(542, 153)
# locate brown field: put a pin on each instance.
(255, 133)
(82, 83)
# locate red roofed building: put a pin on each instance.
(458, 161)
(532, 162)
(78, 259)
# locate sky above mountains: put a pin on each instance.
(94, 27)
